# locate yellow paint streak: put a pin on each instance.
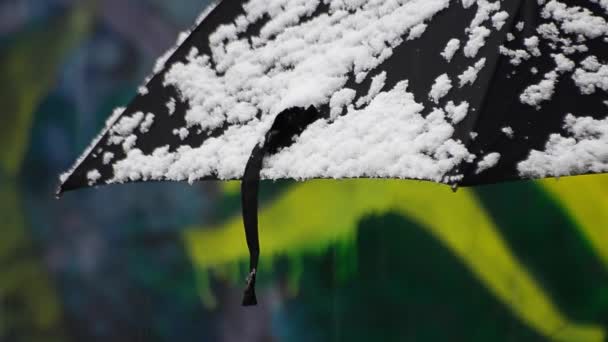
(311, 216)
(585, 199)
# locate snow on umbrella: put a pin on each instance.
(461, 92)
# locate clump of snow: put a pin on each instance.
(477, 39)
(543, 91)
(468, 3)
(107, 158)
(508, 131)
(171, 106)
(440, 88)
(457, 113)
(147, 123)
(531, 44)
(499, 19)
(142, 90)
(487, 162)
(450, 49)
(583, 150)
(182, 133)
(339, 100)
(591, 76)
(143, 167)
(374, 89)
(93, 176)
(516, 56)
(469, 76)
(127, 124)
(484, 11)
(417, 31)
(563, 63)
(129, 142)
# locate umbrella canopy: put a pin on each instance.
(461, 92)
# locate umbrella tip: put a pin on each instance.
(249, 297)
(59, 192)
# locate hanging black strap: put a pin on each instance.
(249, 204)
(287, 125)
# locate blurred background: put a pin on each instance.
(355, 260)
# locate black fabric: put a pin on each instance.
(286, 127)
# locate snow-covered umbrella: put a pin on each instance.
(461, 92)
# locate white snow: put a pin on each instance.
(374, 89)
(563, 63)
(469, 76)
(583, 150)
(93, 176)
(292, 62)
(456, 113)
(487, 162)
(182, 133)
(516, 56)
(508, 131)
(484, 11)
(339, 100)
(543, 91)
(477, 39)
(499, 19)
(127, 124)
(129, 142)
(146, 123)
(417, 31)
(398, 142)
(531, 44)
(107, 158)
(450, 49)
(171, 106)
(591, 76)
(388, 138)
(440, 88)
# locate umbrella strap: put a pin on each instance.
(249, 204)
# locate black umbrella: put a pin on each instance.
(461, 92)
